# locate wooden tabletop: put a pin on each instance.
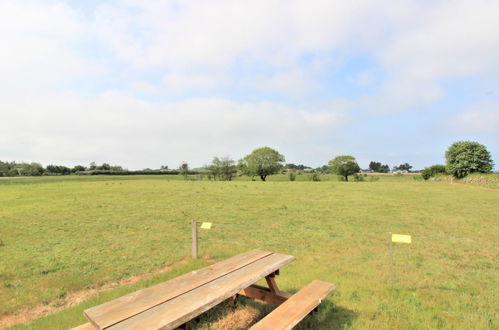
(172, 303)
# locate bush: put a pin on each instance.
(359, 177)
(292, 176)
(432, 171)
(314, 177)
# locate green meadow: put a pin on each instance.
(60, 235)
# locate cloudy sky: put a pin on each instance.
(144, 83)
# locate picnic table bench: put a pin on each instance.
(173, 303)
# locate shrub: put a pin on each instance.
(292, 176)
(359, 177)
(314, 177)
(432, 171)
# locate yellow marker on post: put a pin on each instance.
(396, 238)
(206, 225)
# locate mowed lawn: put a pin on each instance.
(62, 235)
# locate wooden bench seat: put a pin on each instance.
(294, 309)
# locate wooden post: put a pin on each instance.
(194, 239)
(392, 279)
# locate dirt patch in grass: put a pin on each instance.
(74, 298)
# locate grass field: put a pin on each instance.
(60, 235)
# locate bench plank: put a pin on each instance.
(86, 326)
(181, 309)
(110, 313)
(293, 310)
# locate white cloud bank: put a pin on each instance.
(119, 128)
(49, 47)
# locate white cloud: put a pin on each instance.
(40, 47)
(119, 128)
(419, 45)
(178, 81)
(294, 83)
(480, 118)
(439, 42)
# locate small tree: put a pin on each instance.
(262, 162)
(184, 169)
(378, 167)
(222, 168)
(466, 157)
(78, 168)
(344, 166)
(402, 167)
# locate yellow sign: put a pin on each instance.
(396, 238)
(206, 225)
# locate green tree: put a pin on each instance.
(184, 169)
(378, 167)
(344, 166)
(262, 162)
(402, 167)
(222, 168)
(465, 157)
(78, 168)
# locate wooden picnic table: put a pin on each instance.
(173, 303)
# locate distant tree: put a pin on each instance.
(402, 167)
(467, 157)
(292, 166)
(78, 168)
(378, 167)
(164, 167)
(34, 169)
(104, 167)
(262, 162)
(52, 169)
(57, 169)
(222, 168)
(432, 171)
(344, 166)
(92, 166)
(375, 166)
(184, 169)
(324, 169)
(384, 168)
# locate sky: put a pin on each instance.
(145, 83)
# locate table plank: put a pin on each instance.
(183, 308)
(107, 314)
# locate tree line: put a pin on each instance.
(462, 158)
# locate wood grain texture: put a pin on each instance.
(86, 326)
(115, 311)
(264, 294)
(185, 307)
(293, 310)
